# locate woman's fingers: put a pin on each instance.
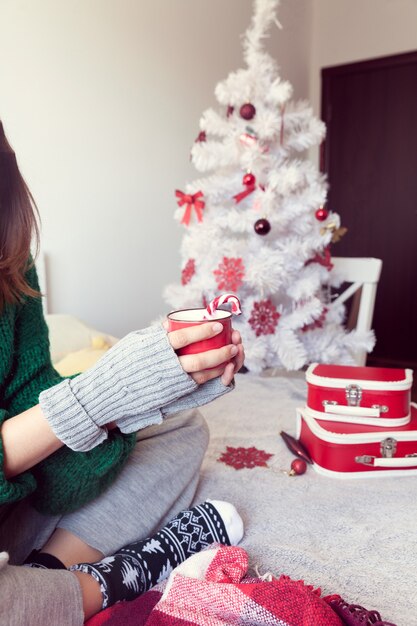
(204, 360)
(239, 358)
(236, 338)
(204, 366)
(227, 376)
(183, 337)
(202, 377)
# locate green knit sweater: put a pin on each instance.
(66, 480)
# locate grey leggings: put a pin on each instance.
(159, 479)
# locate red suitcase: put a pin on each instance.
(375, 396)
(348, 450)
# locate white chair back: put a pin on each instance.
(363, 274)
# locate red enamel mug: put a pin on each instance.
(191, 317)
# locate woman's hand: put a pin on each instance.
(236, 364)
(204, 366)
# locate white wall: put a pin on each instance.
(345, 31)
(101, 100)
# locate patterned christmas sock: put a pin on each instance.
(139, 566)
(43, 560)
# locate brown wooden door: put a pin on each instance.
(370, 157)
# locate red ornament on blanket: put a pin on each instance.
(248, 458)
(229, 274)
(188, 272)
(298, 467)
(264, 318)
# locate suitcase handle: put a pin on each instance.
(400, 461)
(361, 411)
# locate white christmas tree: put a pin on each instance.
(256, 225)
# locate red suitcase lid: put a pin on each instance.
(326, 375)
(386, 374)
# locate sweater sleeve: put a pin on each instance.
(66, 480)
(32, 370)
(17, 487)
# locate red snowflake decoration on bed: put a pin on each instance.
(229, 274)
(188, 272)
(240, 458)
(264, 318)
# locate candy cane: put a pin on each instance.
(219, 300)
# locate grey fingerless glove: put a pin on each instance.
(204, 394)
(128, 385)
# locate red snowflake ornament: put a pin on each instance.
(264, 318)
(188, 272)
(249, 458)
(229, 274)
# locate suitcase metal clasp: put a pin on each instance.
(388, 447)
(382, 408)
(366, 459)
(353, 395)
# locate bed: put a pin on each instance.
(356, 538)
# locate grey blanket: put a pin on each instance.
(357, 538)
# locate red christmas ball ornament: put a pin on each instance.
(249, 179)
(262, 226)
(298, 467)
(247, 111)
(321, 214)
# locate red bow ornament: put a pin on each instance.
(192, 202)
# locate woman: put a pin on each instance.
(99, 461)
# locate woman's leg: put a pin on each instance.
(159, 479)
(31, 597)
(139, 566)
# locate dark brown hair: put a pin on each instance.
(19, 220)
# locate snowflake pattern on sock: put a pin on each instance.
(139, 566)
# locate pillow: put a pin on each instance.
(68, 334)
(82, 360)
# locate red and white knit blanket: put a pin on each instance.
(212, 588)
